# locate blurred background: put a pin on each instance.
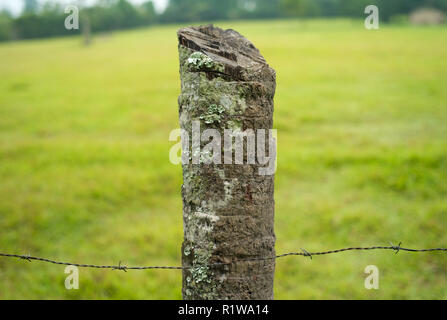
(85, 117)
(26, 19)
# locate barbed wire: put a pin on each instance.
(303, 253)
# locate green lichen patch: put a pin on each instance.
(213, 114)
(199, 61)
(199, 279)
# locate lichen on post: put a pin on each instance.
(228, 207)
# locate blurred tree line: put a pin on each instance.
(46, 20)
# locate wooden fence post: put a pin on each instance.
(228, 208)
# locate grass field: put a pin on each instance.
(362, 159)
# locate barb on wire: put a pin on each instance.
(304, 253)
(26, 257)
(120, 267)
(397, 248)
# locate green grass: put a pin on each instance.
(362, 160)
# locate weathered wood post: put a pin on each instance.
(228, 205)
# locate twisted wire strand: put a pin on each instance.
(304, 253)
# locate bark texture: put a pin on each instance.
(228, 210)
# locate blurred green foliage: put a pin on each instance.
(48, 20)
